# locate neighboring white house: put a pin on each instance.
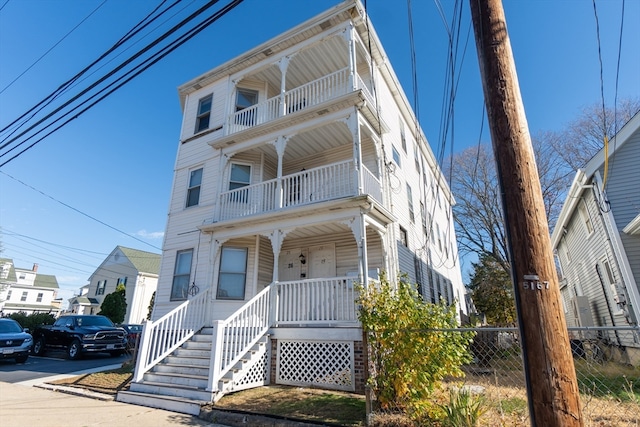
(82, 303)
(300, 171)
(597, 239)
(27, 291)
(137, 270)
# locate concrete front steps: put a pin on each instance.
(179, 382)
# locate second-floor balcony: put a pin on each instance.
(329, 182)
(330, 87)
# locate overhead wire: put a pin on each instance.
(53, 47)
(64, 86)
(99, 81)
(137, 70)
(78, 210)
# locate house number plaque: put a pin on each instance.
(532, 283)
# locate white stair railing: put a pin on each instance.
(166, 334)
(233, 337)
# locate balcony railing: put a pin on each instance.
(316, 301)
(324, 89)
(305, 187)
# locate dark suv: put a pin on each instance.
(78, 334)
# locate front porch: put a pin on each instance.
(262, 342)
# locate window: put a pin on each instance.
(181, 275)
(193, 193)
(240, 177)
(23, 298)
(246, 98)
(396, 156)
(423, 218)
(100, 288)
(410, 201)
(404, 237)
(22, 276)
(122, 281)
(584, 213)
(204, 113)
(233, 272)
(39, 298)
(9, 295)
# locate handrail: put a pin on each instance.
(162, 337)
(233, 337)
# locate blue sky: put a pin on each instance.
(105, 178)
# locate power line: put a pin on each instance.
(79, 211)
(53, 47)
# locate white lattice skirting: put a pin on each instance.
(325, 364)
(257, 376)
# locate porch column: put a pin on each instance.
(222, 165)
(280, 145)
(283, 64)
(359, 230)
(354, 125)
(276, 237)
(349, 37)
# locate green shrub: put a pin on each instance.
(411, 351)
(464, 409)
(33, 320)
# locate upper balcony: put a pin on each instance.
(315, 185)
(329, 74)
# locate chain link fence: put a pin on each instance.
(607, 363)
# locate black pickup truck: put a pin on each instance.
(78, 334)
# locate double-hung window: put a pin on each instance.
(193, 193)
(23, 298)
(39, 298)
(412, 216)
(233, 273)
(240, 177)
(246, 98)
(100, 288)
(181, 275)
(204, 113)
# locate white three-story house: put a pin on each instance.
(300, 172)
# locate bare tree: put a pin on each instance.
(584, 136)
(473, 178)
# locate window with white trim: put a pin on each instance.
(101, 286)
(412, 216)
(23, 298)
(204, 113)
(396, 156)
(193, 192)
(233, 273)
(586, 219)
(39, 298)
(181, 275)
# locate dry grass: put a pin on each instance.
(507, 403)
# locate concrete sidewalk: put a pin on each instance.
(26, 405)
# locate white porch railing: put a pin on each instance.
(309, 186)
(162, 337)
(308, 95)
(233, 337)
(249, 200)
(371, 185)
(309, 302)
(316, 301)
(319, 184)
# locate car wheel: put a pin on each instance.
(74, 350)
(38, 347)
(22, 358)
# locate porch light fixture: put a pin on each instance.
(302, 258)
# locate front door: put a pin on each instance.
(322, 261)
(289, 265)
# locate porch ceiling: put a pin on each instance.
(310, 64)
(314, 142)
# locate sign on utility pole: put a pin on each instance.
(552, 388)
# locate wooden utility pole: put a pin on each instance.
(552, 388)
